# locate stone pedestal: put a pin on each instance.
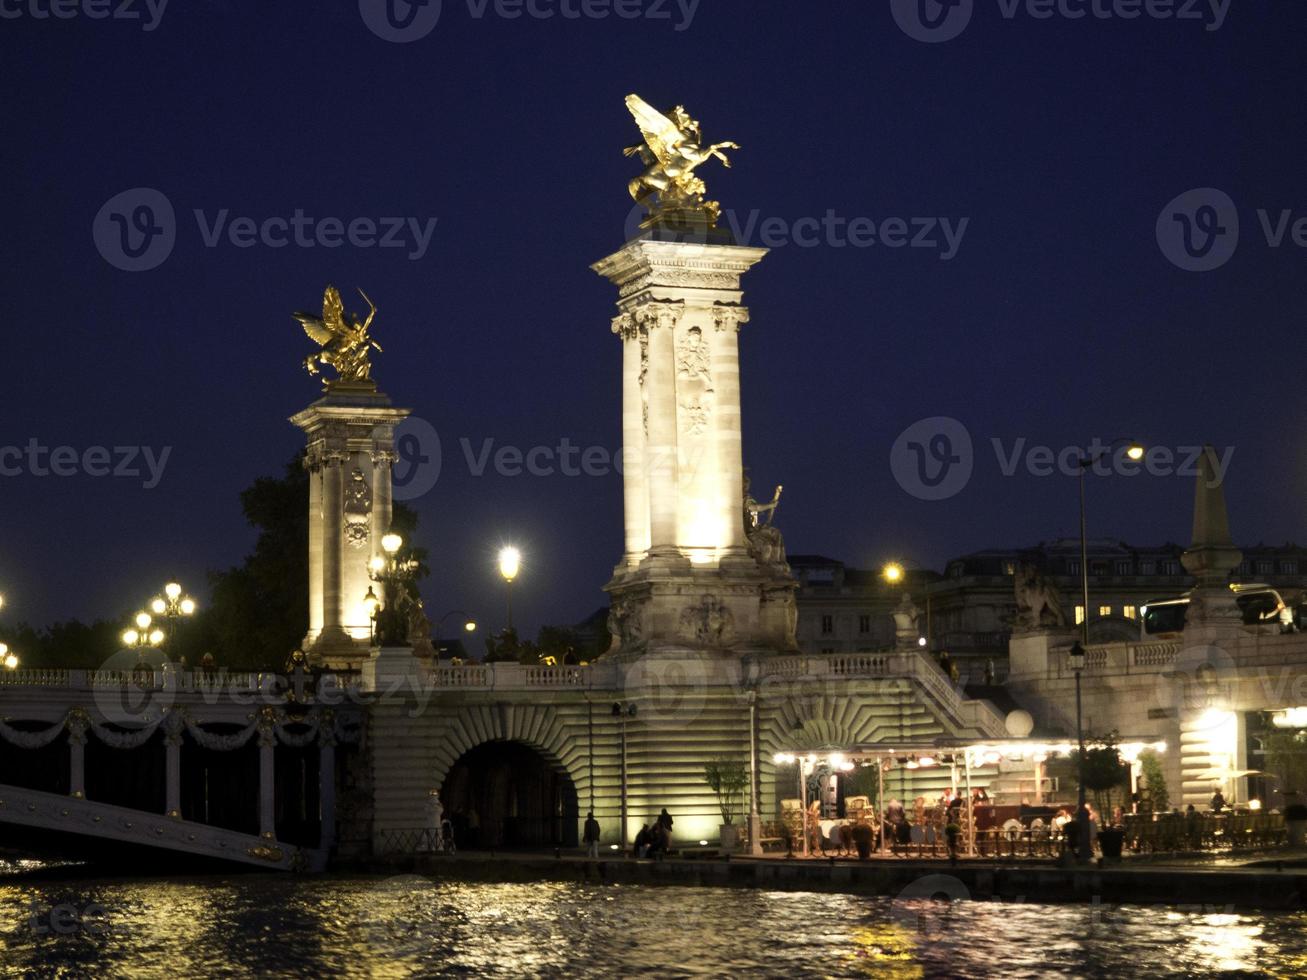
(1213, 616)
(351, 442)
(688, 578)
(390, 669)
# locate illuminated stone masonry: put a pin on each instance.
(351, 446)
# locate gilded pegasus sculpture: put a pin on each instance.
(671, 151)
(344, 339)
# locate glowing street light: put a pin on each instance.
(142, 636)
(394, 574)
(8, 657)
(892, 572)
(510, 563)
(171, 606)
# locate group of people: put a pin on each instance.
(652, 841)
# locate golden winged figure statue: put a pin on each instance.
(344, 338)
(671, 151)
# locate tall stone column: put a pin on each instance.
(661, 464)
(332, 530)
(313, 463)
(689, 582)
(350, 434)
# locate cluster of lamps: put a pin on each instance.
(7, 656)
(170, 606)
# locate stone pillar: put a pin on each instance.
(635, 355)
(78, 723)
(350, 433)
(660, 462)
(727, 425)
(327, 779)
(313, 463)
(689, 578)
(267, 736)
(1213, 615)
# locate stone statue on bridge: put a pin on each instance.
(1039, 604)
(766, 542)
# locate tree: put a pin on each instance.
(259, 612)
(1286, 758)
(1156, 796)
(1104, 772)
(727, 779)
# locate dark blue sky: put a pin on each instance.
(1059, 318)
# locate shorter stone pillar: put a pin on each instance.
(327, 779)
(267, 776)
(78, 724)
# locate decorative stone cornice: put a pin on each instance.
(653, 315)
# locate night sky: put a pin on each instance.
(1059, 318)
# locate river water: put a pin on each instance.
(409, 926)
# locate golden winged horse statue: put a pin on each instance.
(670, 152)
(344, 339)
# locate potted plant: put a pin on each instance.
(727, 778)
(1104, 775)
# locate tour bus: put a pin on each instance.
(1259, 604)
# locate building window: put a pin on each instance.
(864, 624)
(1265, 567)
(1147, 568)
(828, 650)
(1170, 568)
(827, 625)
(1123, 568)
(1080, 615)
(1073, 568)
(1288, 568)
(1104, 611)
(1129, 612)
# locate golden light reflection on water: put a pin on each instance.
(409, 926)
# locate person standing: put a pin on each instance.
(591, 836)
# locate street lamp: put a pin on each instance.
(141, 637)
(469, 626)
(510, 562)
(8, 657)
(172, 605)
(1078, 656)
(394, 574)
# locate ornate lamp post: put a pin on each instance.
(394, 574)
(1135, 452)
(510, 563)
(8, 657)
(172, 606)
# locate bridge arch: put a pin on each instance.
(521, 768)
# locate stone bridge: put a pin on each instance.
(216, 765)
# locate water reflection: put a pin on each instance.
(411, 926)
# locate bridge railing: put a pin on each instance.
(237, 682)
